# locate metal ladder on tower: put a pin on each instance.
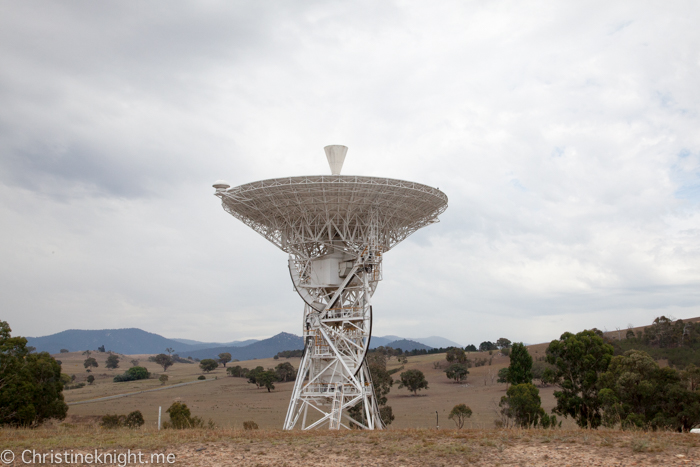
(336, 407)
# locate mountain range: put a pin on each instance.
(137, 341)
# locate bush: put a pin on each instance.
(64, 350)
(112, 421)
(90, 379)
(201, 377)
(74, 386)
(132, 374)
(163, 379)
(522, 404)
(250, 425)
(180, 417)
(208, 364)
(133, 420)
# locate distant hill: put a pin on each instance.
(432, 341)
(378, 341)
(265, 348)
(137, 341)
(436, 342)
(124, 341)
(196, 345)
(406, 344)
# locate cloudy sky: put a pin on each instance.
(565, 134)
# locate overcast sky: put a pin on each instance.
(565, 134)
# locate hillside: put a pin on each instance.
(407, 344)
(265, 348)
(197, 345)
(436, 342)
(131, 341)
(124, 341)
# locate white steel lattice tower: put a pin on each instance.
(336, 230)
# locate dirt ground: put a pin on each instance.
(486, 447)
(228, 401)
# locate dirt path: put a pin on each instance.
(117, 396)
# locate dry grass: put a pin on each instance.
(231, 401)
(411, 440)
(393, 447)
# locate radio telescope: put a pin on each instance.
(336, 230)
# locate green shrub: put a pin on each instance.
(112, 421)
(180, 417)
(132, 374)
(522, 404)
(201, 377)
(74, 386)
(134, 419)
(208, 364)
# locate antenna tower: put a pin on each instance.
(336, 230)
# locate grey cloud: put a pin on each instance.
(565, 138)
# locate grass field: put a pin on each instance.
(412, 440)
(229, 402)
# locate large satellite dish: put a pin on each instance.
(335, 229)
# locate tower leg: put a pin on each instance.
(326, 384)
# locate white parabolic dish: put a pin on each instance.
(309, 211)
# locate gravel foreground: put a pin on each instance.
(228, 447)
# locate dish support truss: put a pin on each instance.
(333, 377)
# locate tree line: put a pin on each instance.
(597, 388)
(264, 378)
